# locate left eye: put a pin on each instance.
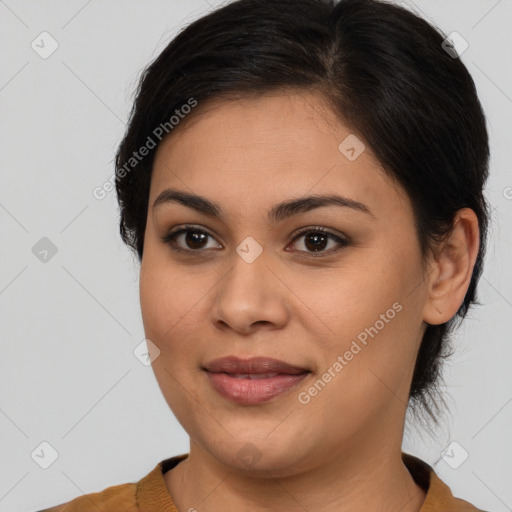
(316, 240)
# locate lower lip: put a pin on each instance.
(254, 391)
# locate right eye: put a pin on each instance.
(192, 237)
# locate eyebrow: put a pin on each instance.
(278, 213)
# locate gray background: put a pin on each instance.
(69, 326)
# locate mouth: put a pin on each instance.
(252, 376)
(253, 366)
(255, 380)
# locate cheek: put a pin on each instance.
(167, 313)
(351, 299)
(373, 321)
(170, 304)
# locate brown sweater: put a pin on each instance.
(150, 494)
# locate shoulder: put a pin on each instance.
(149, 493)
(464, 506)
(114, 498)
(439, 496)
(443, 499)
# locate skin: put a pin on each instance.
(340, 451)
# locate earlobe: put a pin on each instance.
(453, 265)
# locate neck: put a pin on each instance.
(374, 480)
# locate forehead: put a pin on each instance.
(285, 143)
(256, 118)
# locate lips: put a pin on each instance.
(252, 366)
(253, 381)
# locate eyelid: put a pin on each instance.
(321, 229)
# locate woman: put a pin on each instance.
(302, 181)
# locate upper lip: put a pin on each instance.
(235, 365)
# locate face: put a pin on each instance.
(333, 289)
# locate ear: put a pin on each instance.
(452, 268)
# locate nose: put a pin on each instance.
(250, 296)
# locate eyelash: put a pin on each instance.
(170, 239)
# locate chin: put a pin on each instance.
(257, 457)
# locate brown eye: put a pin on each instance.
(195, 239)
(317, 241)
(187, 239)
